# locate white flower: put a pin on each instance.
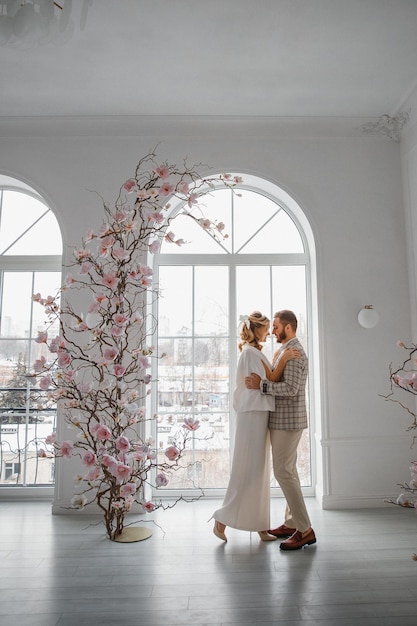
(79, 501)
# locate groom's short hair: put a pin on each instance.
(287, 317)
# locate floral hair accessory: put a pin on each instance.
(244, 319)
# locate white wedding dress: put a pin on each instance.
(246, 505)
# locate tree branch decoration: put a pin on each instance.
(97, 368)
(403, 379)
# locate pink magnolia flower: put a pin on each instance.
(129, 185)
(103, 432)
(148, 506)
(82, 254)
(66, 449)
(121, 471)
(154, 247)
(145, 270)
(85, 267)
(110, 280)
(120, 319)
(41, 453)
(117, 331)
(94, 473)
(89, 458)
(161, 480)
(183, 187)
(110, 354)
(39, 364)
(192, 199)
(50, 439)
(37, 298)
(162, 171)
(122, 443)
(89, 235)
(45, 382)
(57, 344)
(172, 453)
(128, 489)
(108, 460)
(118, 370)
(166, 189)
(204, 223)
(64, 359)
(191, 423)
(120, 253)
(100, 297)
(42, 337)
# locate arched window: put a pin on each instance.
(265, 263)
(30, 262)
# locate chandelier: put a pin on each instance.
(41, 22)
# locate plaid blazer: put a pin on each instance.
(290, 393)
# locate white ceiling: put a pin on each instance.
(333, 58)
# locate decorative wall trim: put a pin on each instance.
(388, 126)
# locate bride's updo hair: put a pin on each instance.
(247, 329)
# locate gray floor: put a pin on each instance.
(60, 570)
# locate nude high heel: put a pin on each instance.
(265, 536)
(219, 531)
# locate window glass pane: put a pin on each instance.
(253, 292)
(19, 213)
(279, 236)
(211, 300)
(47, 284)
(16, 304)
(175, 303)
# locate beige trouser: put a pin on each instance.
(284, 445)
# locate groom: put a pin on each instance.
(286, 425)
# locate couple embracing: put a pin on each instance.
(271, 412)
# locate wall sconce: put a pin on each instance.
(368, 317)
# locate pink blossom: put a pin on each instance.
(166, 189)
(172, 453)
(128, 489)
(85, 267)
(42, 337)
(154, 247)
(117, 504)
(129, 185)
(41, 453)
(64, 359)
(120, 319)
(45, 382)
(57, 344)
(161, 480)
(190, 423)
(183, 187)
(103, 432)
(162, 171)
(118, 370)
(237, 179)
(145, 270)
(144, 361)
(122, 443)
(120, 253)
(89, 235)
(204, 223)
(108, 460)
(100, 297)
(94, 473)
(79, 501)
(39, 364)
(110, 354)
(121, 216)
(82, 254)
(66, 449)
(50, 439)
(192, 199)
(117, 331)
(148, 506)
(37, 298)
(121, 471)
(89, 458)
(110, 280)
(69, 280)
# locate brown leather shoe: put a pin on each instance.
(297, 541)
(282, 531)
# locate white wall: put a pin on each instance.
(350, 187)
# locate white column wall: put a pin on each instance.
(350, 188)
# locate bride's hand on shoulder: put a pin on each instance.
(290, 353)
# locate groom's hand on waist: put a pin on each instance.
(253, 381)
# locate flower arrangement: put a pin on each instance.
(403, 379)
(97, 368)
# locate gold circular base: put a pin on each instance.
(133, 533)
